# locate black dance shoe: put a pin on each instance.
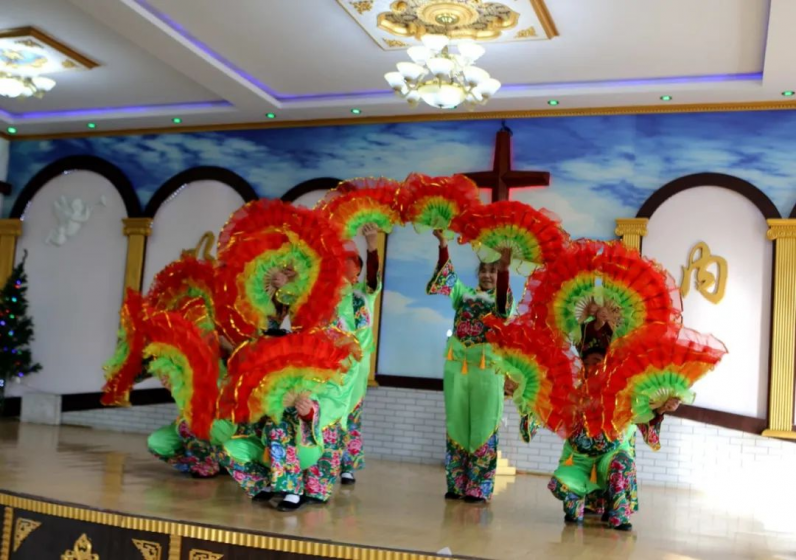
(452, 496)
(286, 506)
(572, 520)
(345, 480)
(474, 500)
(624, 527)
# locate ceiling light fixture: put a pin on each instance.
(455, 80)
(11, 130)
(788, 93)
(553, 102)
(24, 86)
(176, 120)
(356, 111)
(666, 97)
(270, 115)
(91, 125)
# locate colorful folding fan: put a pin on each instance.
(432, 202)
(357, 202)
(266, 375)
(273, 235)
(126, 364)
(535, 237)
(187, 365)
(186, 286)
(644, 370)
(544, 368)
(639, 289)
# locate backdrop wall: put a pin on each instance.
(602, 168)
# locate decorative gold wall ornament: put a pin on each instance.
(458, 19)
(362, 6)
(783, 329)
(204, 248)
(395, 43)
(81, 550)
(525, 33)
(710, 285)
(631, 230)
(204, 555)
(477, 20)
(22, 530)
(149, 550)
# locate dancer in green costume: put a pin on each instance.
(473, 389)
(356, 316)
(601, 472)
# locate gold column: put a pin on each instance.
(10, 229)
(631, 230)
(783, 329)
(5, 540)
(136, 230)
(381, 248)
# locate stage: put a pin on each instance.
(75, 481)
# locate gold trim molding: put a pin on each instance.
(429, 117)
(545, 18)
(779, 434)
(783, 328)
(177, 530)
(631, 230)
(10, 230)
(5, 542)
(22, 530)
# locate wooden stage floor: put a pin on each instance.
(393, 505)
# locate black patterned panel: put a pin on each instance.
(193, 549)
(36, 536)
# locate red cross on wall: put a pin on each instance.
(503, 177)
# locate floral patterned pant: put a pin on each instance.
(256, 466)
(471, 474)
(353, 455)
(620, 496)
(179, 447)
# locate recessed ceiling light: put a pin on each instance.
(12, 130)
(788, 93)
(356, 111)
(176, 120)
(91, 125)
(666, 97)
(271, 115)
(553, 102)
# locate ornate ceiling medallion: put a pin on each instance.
(458, 19)
(401, 24)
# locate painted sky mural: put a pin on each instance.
(602, 168)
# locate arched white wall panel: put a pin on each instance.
(75, 289)
(733, 228)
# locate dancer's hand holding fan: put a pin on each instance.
(543, 368)
(268, 375)
(533, 237)
(648, 368)
(433, 202)
(357, 202)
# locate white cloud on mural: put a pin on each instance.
(401, 307)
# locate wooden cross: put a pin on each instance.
(503, 177)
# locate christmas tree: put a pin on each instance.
(16, 330)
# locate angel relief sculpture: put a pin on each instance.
(71, 214)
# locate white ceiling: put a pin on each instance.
(309, 59)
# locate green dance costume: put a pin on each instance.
(356, 316)
(473, 390)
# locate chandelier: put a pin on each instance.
(442, 79)
(24, 86)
